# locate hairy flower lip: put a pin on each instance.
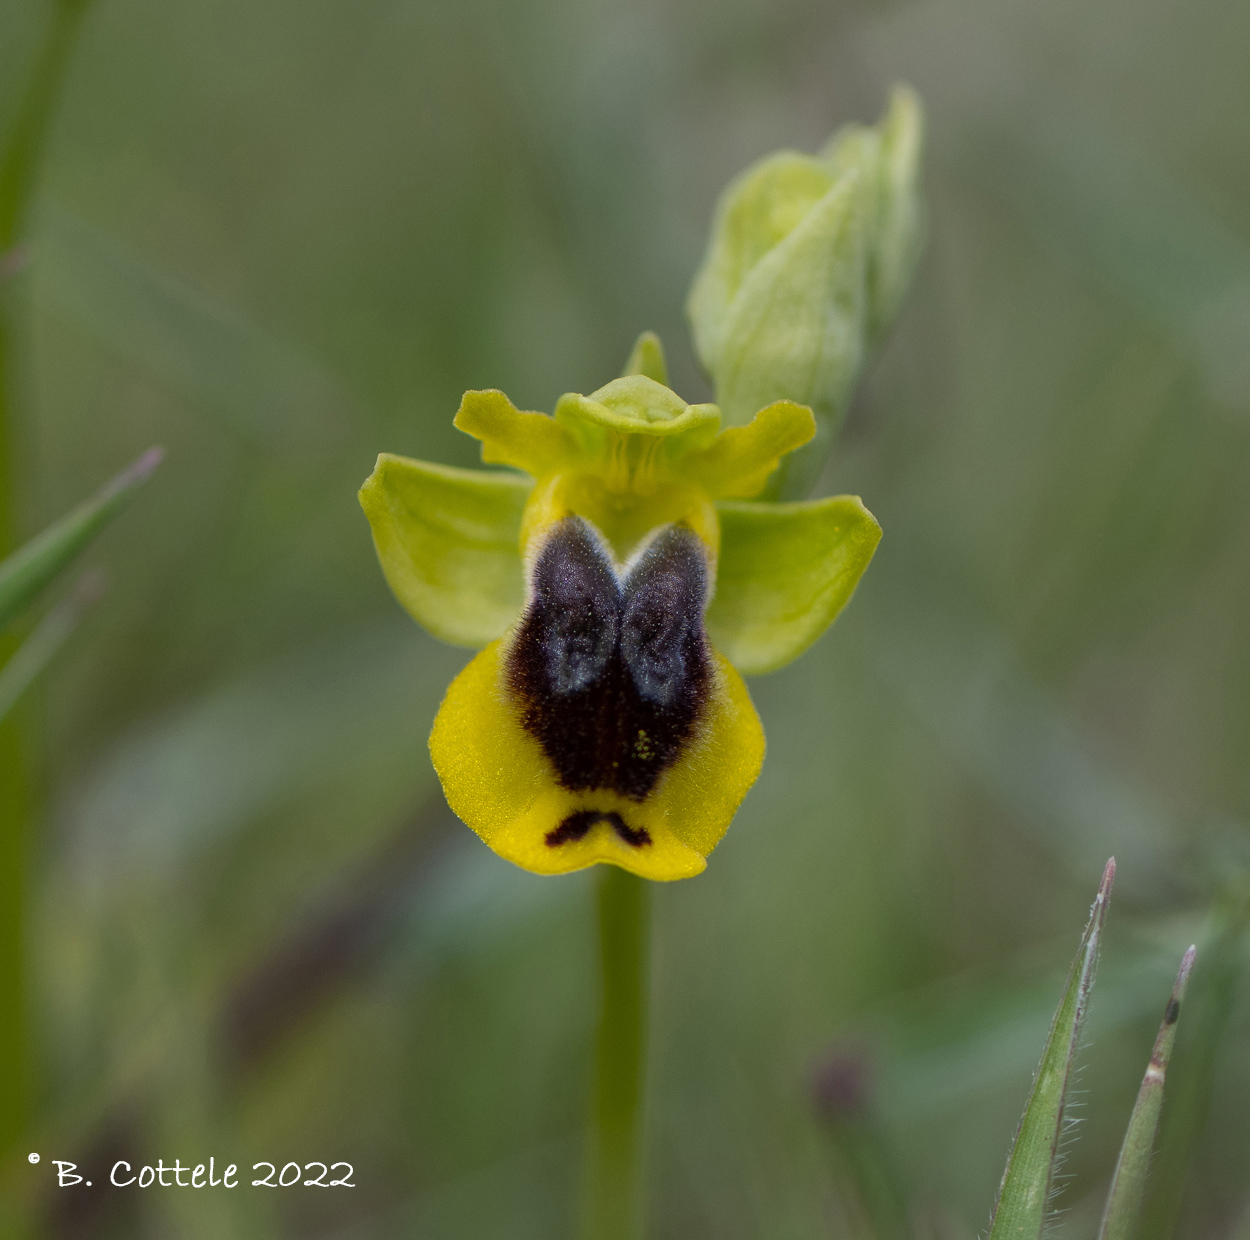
(499, 783)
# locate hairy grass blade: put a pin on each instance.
(1128, 1185)
(33, 566)
(978, 1032)
(50, 634)
(1024, 1194)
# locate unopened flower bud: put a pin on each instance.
(807, 265)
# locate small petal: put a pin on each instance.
(785, 572)
(737, 464)
(447, 540)
(529, 441)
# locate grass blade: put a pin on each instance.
(33, 566)
(50, 634)
(265, 389)
(1024, 1194)
(1212, 996)
(1128, 1185)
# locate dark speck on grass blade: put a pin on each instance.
(1128, 1185)
(1028, 1183)
(33, 566)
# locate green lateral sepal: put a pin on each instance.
(785, 572)
(448, 542)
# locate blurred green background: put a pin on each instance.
(281, 237)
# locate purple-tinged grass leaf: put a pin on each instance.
(49, 635)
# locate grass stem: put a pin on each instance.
(19, 168)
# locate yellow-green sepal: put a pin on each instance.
(898, 220)
(889, 155)
(448, 542)
(647, 358)
(757, 211)
(785, 572)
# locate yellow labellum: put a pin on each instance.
(499, 781)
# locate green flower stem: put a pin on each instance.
(19, 167)
(613, 1186)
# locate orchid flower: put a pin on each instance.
(619, 581)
